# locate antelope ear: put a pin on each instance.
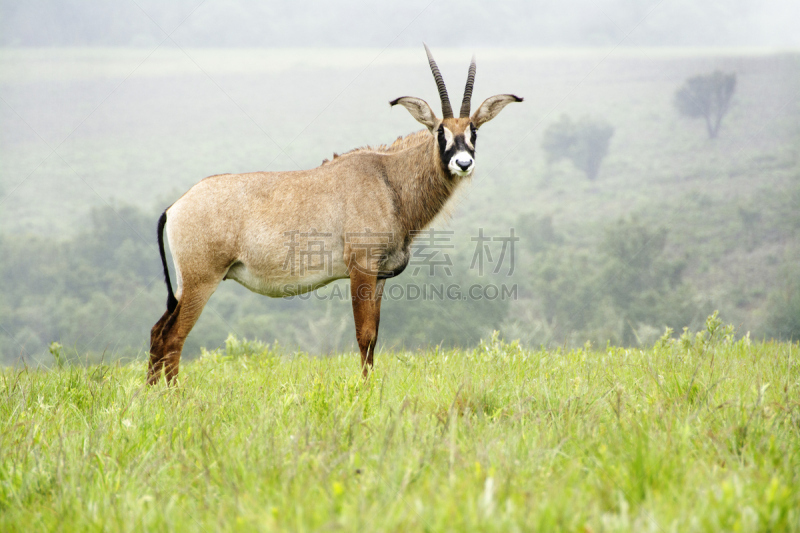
(491, 107)
(419, 109)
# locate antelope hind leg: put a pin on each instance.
(169, 333)
(157, 345)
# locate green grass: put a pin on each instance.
(701, 433)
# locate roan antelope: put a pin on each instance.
(354, 216)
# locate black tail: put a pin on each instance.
(172, 302)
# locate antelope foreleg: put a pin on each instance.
(366, 292)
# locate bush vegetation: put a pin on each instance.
(584, 143)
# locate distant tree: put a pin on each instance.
(584, 143)
(707, 96)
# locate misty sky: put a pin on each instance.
(251, 23)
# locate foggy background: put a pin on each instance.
(466, 23)
(110, 111)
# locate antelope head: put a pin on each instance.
(455, 137)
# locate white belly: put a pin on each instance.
(283, 283)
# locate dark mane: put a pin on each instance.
(401, 143)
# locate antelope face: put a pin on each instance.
(455, 137)
(456, 140)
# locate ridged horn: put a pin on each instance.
(447, 111)
(468, 89)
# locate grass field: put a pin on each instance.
(700, 433)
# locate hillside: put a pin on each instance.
(136, 130)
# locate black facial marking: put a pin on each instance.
(442, 147)
(459, 145)
(473, 137)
